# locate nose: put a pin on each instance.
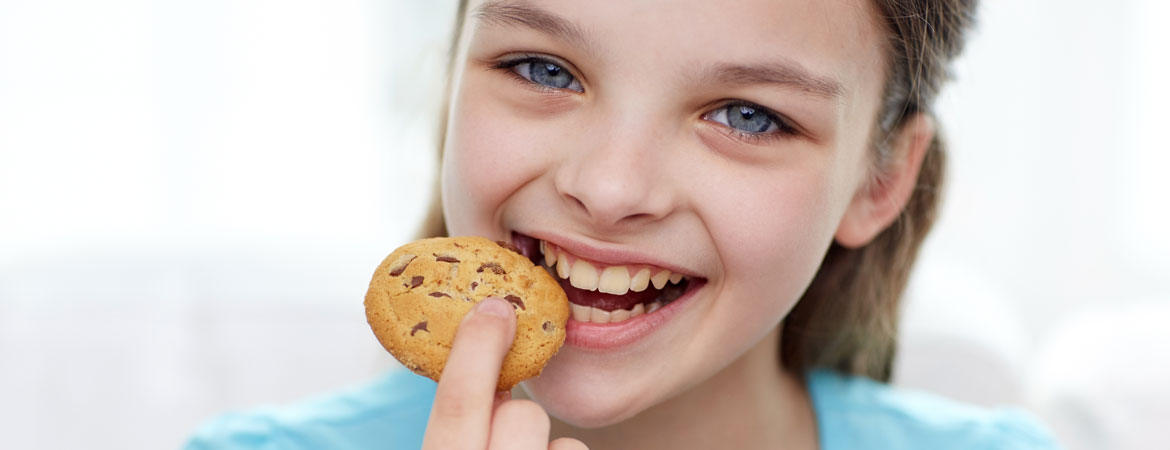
(615, 179)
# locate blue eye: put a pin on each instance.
(544, 72)
(746, 118)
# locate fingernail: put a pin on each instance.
(494, 307)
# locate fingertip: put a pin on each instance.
(494, 306)
(567, 444)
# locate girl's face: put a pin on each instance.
(723, 141)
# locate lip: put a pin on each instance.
(611, 336)
(608, 255)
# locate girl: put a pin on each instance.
(776, 159)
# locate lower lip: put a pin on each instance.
(609, 336)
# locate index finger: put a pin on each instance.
(461, 415)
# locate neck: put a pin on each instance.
(752, 403)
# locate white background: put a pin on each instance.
(193, 195)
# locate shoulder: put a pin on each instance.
(857, 413)
(390, 412)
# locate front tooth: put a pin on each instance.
(640, 280)
(637, 311)
(675, 278)
(614, 280)
(563, 268)
(550, 258)
(580, 313)
(619, 315)
(659, 279)
(584, 276)
(598, 315)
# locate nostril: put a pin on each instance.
(579, 203)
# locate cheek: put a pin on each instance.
(488, 156)
(772, 239)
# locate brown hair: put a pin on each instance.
(847, 319)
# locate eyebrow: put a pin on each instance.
(518, 13)
(783, 73)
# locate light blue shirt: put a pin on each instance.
(852, 413)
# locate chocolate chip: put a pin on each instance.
(458, 245)
(548, 327)
(416, 282)
(494, 267)
(400, 265)
(421, 326)
(509, 247)
(515, 301)
(474, 284)
(446, 259)
(438, 294)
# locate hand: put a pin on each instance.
(468, 414)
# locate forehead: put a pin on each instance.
(838, 41)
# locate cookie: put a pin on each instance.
(421, 292)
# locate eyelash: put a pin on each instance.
(785, 129)
(509, 65)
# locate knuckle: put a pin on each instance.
(525, 411)
(455, 408)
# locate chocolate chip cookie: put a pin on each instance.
(421, 292)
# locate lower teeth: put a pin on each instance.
(672, 292)
(582, 313)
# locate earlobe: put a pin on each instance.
(877, 204)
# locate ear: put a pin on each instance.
(879, 202)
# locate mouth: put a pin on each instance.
(608, 296)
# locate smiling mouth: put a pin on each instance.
(601, 293)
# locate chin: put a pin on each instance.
(583, 402)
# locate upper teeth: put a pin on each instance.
(616, 280)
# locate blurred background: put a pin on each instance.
(193, 196)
